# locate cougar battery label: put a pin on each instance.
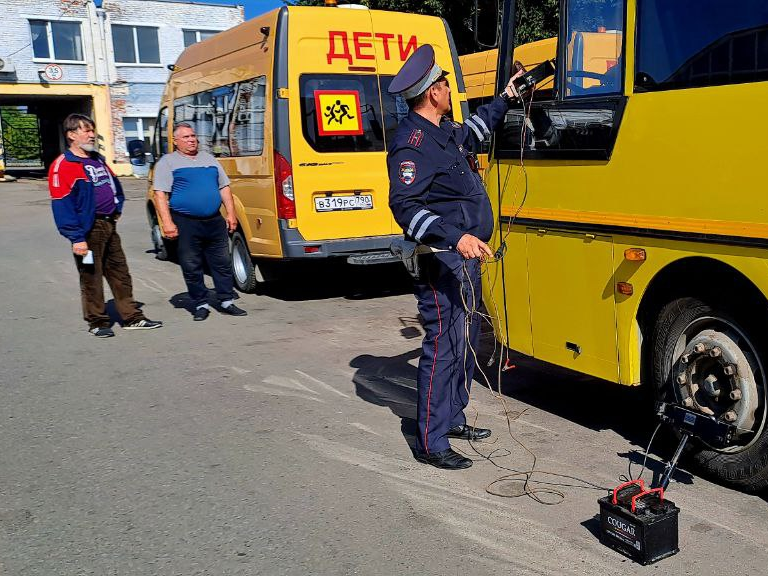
(623, 530)
(338, 113)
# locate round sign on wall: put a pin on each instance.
(53, 72)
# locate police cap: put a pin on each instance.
(418, 73)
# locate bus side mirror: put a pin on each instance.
(486, 23)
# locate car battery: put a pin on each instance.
(639, 523)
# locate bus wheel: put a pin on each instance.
(242, 265)
(164, 249)
(706, 361)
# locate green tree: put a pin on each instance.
(536, 19)
(21, 135)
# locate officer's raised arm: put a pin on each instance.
(478, 127)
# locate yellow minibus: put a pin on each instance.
(294, 105)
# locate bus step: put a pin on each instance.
(373, 258)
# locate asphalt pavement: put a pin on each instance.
(277, 443)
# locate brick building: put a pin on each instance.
(107, 59)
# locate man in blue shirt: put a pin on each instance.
(190, 187)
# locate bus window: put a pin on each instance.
(229, 121)
(395, 108)
(366, 133)
(694, 43)
(246, 132)
(593, 54)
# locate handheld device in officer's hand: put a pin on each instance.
(527, 81)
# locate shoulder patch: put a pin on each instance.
(416, 137)
(407, 171)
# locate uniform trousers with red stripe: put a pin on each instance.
(447, 364)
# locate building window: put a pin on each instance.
(194, 36)
(138, 129)
(56, 40)
(135, 44)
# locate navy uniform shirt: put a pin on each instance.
(434, 194)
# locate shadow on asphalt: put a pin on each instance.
(321, 280)
(325, 279)
(586, 401)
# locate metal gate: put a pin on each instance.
(21, 138)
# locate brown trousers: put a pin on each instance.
(108, 263)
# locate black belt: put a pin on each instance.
(108, 217)
(190, 217)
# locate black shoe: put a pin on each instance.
(201, 314)
(447, 459)
(466, 432)
(102, 332)
(233, 310)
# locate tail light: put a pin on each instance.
(286, 205)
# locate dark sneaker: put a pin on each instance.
(201, 314)
(143, 324)
(233, 310)
(102, 332)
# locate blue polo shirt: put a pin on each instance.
(192, 183)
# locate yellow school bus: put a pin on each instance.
(295, 106)
(635, 228)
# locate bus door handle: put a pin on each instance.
(573, 347)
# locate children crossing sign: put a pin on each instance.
(338, 112)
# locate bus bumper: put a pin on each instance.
(367, 250)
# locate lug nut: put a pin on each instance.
(688, 402)
(685, 358)
(730, 416)
(715, 352)
(681, 379)
(699, 348)
(729, 370)
(735, 394)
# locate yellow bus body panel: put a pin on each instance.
(673, 169)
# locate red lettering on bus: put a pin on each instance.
(410, 47)
(359, 45)
(345, 55)
(385, 38)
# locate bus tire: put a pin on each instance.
(687, 374)
(243, 270)
(164, 249)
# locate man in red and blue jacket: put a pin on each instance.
(87, 200)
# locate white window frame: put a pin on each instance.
(49, 35)
(134, 25)
(197, 33)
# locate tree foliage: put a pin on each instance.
(537, 19)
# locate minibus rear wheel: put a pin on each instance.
(164, 249)
(711, 362)
(243, 269)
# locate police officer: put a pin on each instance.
(438, 198)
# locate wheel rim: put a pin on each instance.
(717, 371)
(238, 262)
(157, 237)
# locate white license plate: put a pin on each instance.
(333, 203)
